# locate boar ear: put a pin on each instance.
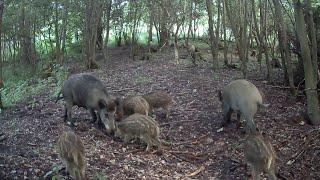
(220, 95)
(102, 104)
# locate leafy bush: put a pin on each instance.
(21, 82)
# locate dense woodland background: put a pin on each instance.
(274, 43)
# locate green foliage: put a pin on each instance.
(21, 82)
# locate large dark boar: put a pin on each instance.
(241, 95)
(260, 155)
(85, 90)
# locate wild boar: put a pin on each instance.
(139, 126)
(241, 96)
(159, 99)
(260, 155)
(135, 104)
(71, 151)
(192, 52)
(85, 90)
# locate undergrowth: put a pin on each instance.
(21, 82)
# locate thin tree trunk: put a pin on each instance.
(150, 26)
(225, 48)
(92, 14)
(189, 26)
(311, 82)
(312, 37)
(239, 30)
(213, 40)
(64, 33)
(283, 42)
(1, 79)
(106, 38)
(56, 32)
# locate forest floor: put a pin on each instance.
(199, 150)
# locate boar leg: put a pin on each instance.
(167, 112)
(93, 114)
(238, 120)
(148, 140)
(65, 116)
(250, 125)
(255, 174)
(272, 174)
(157, 142)
(102, 118)
(68, 112)
(227, 111)
(111, 117)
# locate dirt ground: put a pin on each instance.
(198, 150)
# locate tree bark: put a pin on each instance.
(225, 45)
(1, 79)
(27, 51)
(150, 6)
(239, 29)
(64, 32)
(312, 37)
(56, 32)
(311, 82)
(92, 14)
(283, 42)
(213, 40)
(106, 38)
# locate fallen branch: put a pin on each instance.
(193, 142)
(124, 89)
(175, 122)
(31, 144)
(202, 168)
(134, 151)
(280, 87)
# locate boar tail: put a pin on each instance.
(263, 107)
(58, 97)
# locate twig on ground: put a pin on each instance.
(124, 89)
(202, 168)
(31, 144)
(174, 122)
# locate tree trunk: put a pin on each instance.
(27, 51)
(106, 38)
(99, 42)
(92, 14)
(225, 48)
(56, 32)
(283, 42)
(189, 26)
(1, 79)
(311, 82)
(150, 26)
(312, 37)
(239, 30)
(64, 32)
(213, 40)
